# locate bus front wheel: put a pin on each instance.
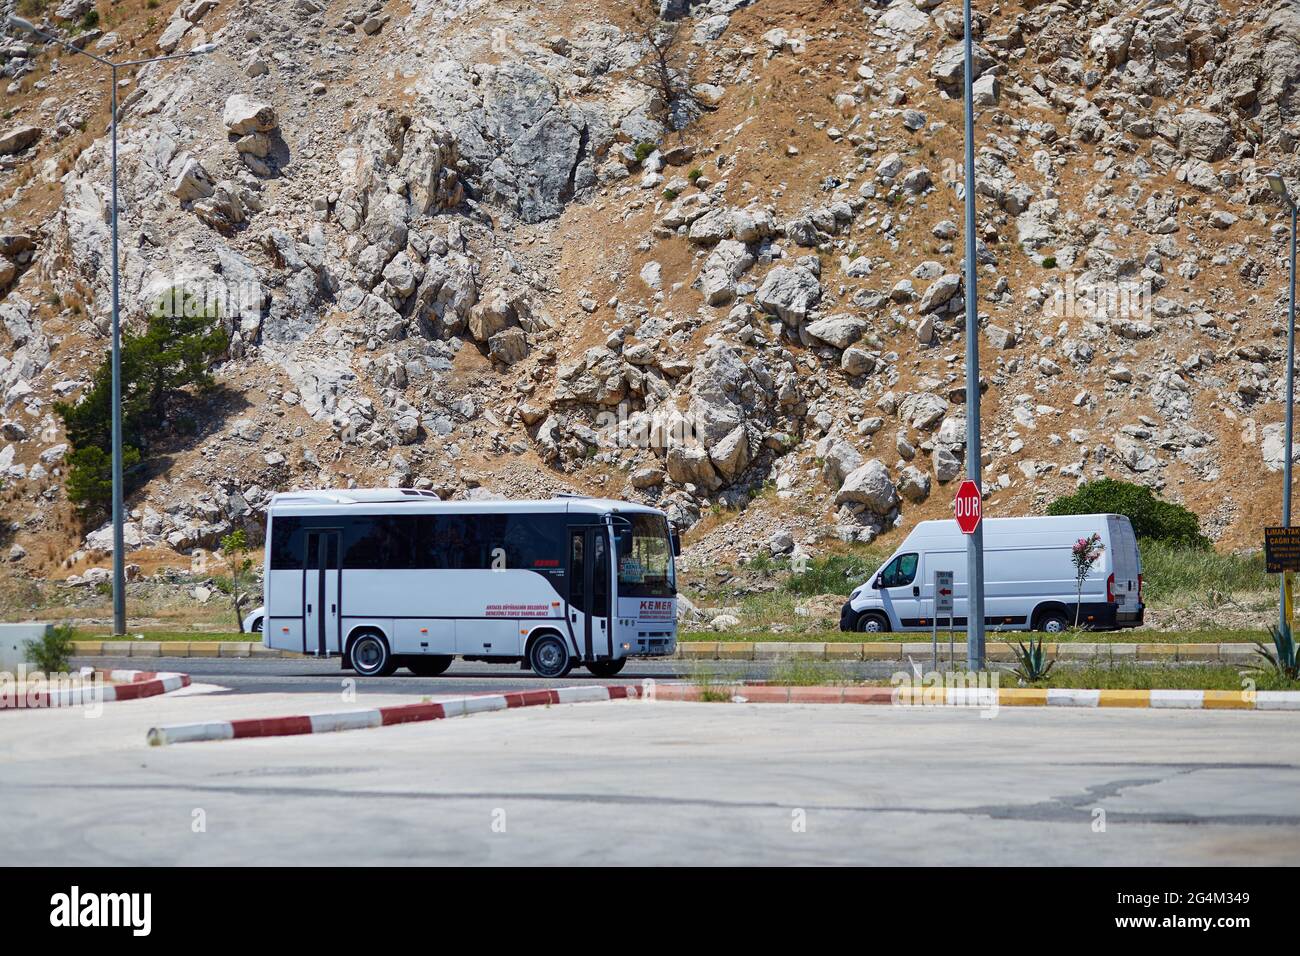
(370, 657)
(606, 668)
(549, 658)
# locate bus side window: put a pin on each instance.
(600, 576)
(577, 590)
(287, 543)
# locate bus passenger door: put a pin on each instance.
(320, 598)
(589, 591)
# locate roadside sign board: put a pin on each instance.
(968, 507)
(1281, 549)
(943, 594)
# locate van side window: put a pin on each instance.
(899, 572)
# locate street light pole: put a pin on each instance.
(1278, 185)
(119, 544)
(974, 541)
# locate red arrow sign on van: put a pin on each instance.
(968, 507)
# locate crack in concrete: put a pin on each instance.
(1050, 811)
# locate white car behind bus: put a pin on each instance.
(1029, 581)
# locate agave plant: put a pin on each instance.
(1282, 659)
(1032, 664)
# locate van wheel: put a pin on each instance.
(606, 668)
(428, 665)
(370, 657)
(1053, 622)
(872, 623)
(549, 658)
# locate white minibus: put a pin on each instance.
(386, 578)
(1029, 578)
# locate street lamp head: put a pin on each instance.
(204, 48)
(1278, 185)
(25, 25)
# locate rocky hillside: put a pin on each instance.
(503, 247)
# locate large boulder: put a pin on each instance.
(244, 115)
(940, 292)
(690, 464)
(949, 67)
(731, 455)
(18, 139)
(193, 182)
(914, 484)
(840, 331)
(1203, 135)
(790, 292)
(871, 486)
(491, 315)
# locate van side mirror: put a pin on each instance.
(876, 582)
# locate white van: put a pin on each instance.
(1029, 579)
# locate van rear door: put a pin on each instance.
(1126, 565)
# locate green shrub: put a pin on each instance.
(90, 476)
(670, 194)
(1049, 262)
(181, 340)
(835, 573)
(1032, 664)
(695, 174)
(91, 20)
(1171, 569)
(1151, 518)
(52, 652)
(643, 151)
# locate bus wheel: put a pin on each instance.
(872, 623)
(549, 657)
(428, 665)
(606, 668)
(370, 656)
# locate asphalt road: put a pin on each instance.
(653, 783)
(307, 676)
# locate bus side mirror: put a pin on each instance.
(677, 543)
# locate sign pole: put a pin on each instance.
(975, 540)
(942, 606)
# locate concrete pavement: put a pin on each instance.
(655, 783)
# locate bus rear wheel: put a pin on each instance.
(370, 657)
(606, 668)
(549, 658)
(428, 665)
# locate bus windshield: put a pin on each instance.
(645, 557)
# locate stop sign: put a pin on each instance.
(968, 507)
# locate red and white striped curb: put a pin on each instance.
(382, 716)
(127, 685)
(983, 697)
